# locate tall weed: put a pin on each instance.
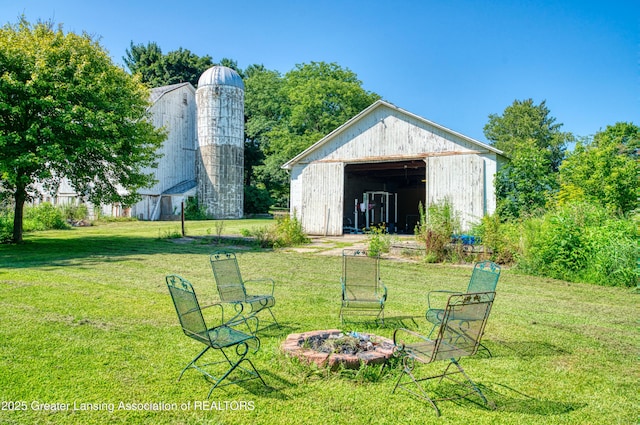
(437, 224)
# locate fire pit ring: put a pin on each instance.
(372, 349)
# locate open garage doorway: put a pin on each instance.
(384, 192)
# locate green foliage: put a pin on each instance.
(285, 231)
(73, 212)
(604, 171)
(582, 242)
(378, 240)
(256, 200)
(525, 183)
(156, 69)
(437, 224)
(193, 210)
(44, 217)
(523, 121)
(500, 239)
(532, 140)
(67, 110)
(289, 114)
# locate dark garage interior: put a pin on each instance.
(383, 193)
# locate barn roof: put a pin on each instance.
(379, 104)
(158, 92)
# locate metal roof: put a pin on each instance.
(157, 92)
(222, 76)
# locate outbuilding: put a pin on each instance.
(381, 165)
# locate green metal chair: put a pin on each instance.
(231, 289)
(459, 335)
(484, 278)
(363, 292)
(220, 337)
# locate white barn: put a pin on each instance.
(378, 167)
(174, 108)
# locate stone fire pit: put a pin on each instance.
(333, 348)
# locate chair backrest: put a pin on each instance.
(463, 323)
(360, 274)
(227, 276)
(484, 277)
(187, 307)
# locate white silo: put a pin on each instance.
(220, 104)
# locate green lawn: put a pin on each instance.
(88, 324)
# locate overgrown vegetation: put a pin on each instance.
(438, 223)
(578, 242)
(378, 240)
(194, 211)
(43, 216)
(285, 231)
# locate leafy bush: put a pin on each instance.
(500, 240)
(74, 212)
(256, 200)
(379, 240)
(193, 211)
(581, 242)
(437, 224)
(286, 231)
(43, 217)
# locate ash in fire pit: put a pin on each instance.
(333, 348)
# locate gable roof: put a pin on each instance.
(157, 92)
(379, 104)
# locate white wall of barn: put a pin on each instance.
(175, 111)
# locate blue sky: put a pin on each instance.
(451, 62)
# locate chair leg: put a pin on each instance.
(470, 382)
(274, 318)
(235, 365)
(407, 369)
(193, 362)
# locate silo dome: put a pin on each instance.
(221, 76)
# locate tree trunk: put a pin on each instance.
(20, 198)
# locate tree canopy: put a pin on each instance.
(67, 111)
(157, 70)
(605, 170)
(532, 139)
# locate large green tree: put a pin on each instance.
(157, 69)
(532, 140)
(605, 170)
(67, 111)
(523, 121)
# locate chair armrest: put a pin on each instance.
(238, 307)
(439, 291)
(344, 288)
(401, 334)
(265, 281)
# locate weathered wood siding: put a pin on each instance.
(176, 112)
(319, 206)
(461, 179)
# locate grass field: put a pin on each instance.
(88, 326)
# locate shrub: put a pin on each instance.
(581, 242)
(72, 212)
(437, 224)
(379, 241)
(256, 200)
(193, 211)
(43, 217)
(286, 231)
